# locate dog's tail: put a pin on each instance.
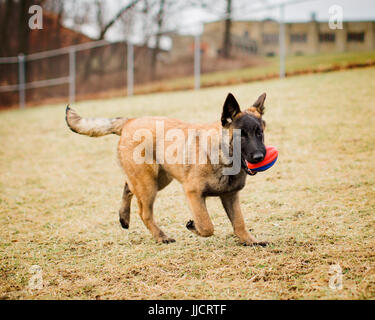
(93, 127)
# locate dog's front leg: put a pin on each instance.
(202, 224)
(231, 203)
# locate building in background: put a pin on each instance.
(262, 38)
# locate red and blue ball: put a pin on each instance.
(268, 161)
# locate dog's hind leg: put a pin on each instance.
(125, 207)
(231, 203)
(146, 198)
(201, 225)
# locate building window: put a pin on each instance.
(327, 37)
(270, 38)
(270, 54)
(356, 37)
(298, 38)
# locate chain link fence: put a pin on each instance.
(90, 70)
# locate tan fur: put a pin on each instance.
(145, 180)
(254, 112)
(93, 127)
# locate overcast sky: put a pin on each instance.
(353, 9)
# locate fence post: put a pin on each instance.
(197, 62)
(72, 75)
(21, 81)
(282, 41)
(130, 68)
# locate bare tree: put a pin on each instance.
(159, 25)
(57, 7)
(222, 8)
(162, 17)
(227, 30)
(6, 18)
(104, 27)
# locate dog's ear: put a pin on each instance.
(259, 104)
(258, 107)
(230, 110)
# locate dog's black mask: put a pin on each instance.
(253, 149)
(251, 125)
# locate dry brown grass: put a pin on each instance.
(60, 193)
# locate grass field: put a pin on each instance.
(269, 68)
(60, 194)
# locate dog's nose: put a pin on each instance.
(258, 157)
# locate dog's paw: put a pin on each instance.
(168, 240)
(124, 224)
(255, 244)
(190, 225)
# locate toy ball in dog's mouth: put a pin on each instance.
(268, 161)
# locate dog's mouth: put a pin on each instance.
(245, 166)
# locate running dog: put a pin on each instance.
(199, 180)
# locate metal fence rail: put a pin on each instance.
(22, 86)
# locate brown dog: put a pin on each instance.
(200, 180)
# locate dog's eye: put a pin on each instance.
(259, 134)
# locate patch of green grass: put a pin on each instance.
(60, 194)
(269, 67)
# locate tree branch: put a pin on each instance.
(116, 17)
